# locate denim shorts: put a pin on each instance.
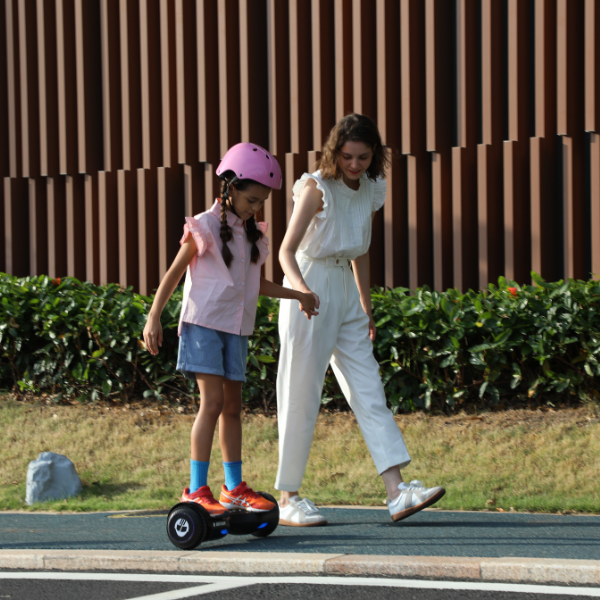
(204, 350)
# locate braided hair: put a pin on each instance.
(253, 233)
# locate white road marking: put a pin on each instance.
(193, 591)
(234, 581)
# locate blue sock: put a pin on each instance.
(199, 474)
(233, 474)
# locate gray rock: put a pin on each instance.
(51, 477)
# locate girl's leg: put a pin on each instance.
(211, 406)
(230, 422)
(230, 436)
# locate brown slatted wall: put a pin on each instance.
(115, 114)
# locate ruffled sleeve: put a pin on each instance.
(200, 232)
(379, 190)
(301, 183)
(263, 243)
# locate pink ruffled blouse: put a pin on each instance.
(215, 296)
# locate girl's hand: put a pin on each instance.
(153, 334)
(372, 328)
(309, 301)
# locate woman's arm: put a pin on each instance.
(307, 206)
(273, 290)
(361, 268)
(153, 333)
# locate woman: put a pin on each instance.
(325, 252)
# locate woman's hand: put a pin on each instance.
(309, 301)
(372, 328)
(153, 334)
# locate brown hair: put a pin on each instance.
(354, 128)
(253, 233)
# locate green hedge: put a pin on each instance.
(504, 345)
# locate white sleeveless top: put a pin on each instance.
(343, 227)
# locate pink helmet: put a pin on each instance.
(249, 161)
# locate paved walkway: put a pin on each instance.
(350, 532)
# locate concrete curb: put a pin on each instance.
(529, 570)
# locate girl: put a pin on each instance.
(222, 251)
(330, 231)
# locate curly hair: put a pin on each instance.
(354, 128)
(253, 233)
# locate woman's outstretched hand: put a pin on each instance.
(153, 334)
(309, 302)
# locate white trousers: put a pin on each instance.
(338, 335)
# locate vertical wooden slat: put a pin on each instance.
(595, 201)
(168, 65)
(187, 89)
(301, 95)
(3, 267)
(111, 85)
(279, 125)
(147, 230)
(439, 114)
(208, 97)
(412, 52)
(490, 203)
(38, 226)
(150, 63)
(109, 225)
(170, 216)
(76, 226)
(517, 249)
(88, 53)
(229, 73)
(464, 157)
(92, 232)
(48, 87)
(131, 93)
(295, 166)
(194, 183)
(67, 87)
(28, 70)
(126, 193)
(323, 70)
(56, 192)
(4, 123)
(394, 223)
(571, 124)
(343, 58)
(592, 66)
(16, 224)
(364, 58)
(13, 89)
(545, 212)
(254, 110)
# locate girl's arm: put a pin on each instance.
(361, 267)
(307, 206)
(273, 290)
(153, 333)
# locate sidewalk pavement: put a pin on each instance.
(534, 548)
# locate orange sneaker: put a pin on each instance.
(204, 497)
(243, 497)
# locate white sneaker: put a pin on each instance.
(413, 498)
(301, 513)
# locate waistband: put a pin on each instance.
(329, 261)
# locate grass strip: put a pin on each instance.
(520, 460)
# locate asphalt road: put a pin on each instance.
(53, 586)
(350, 531)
